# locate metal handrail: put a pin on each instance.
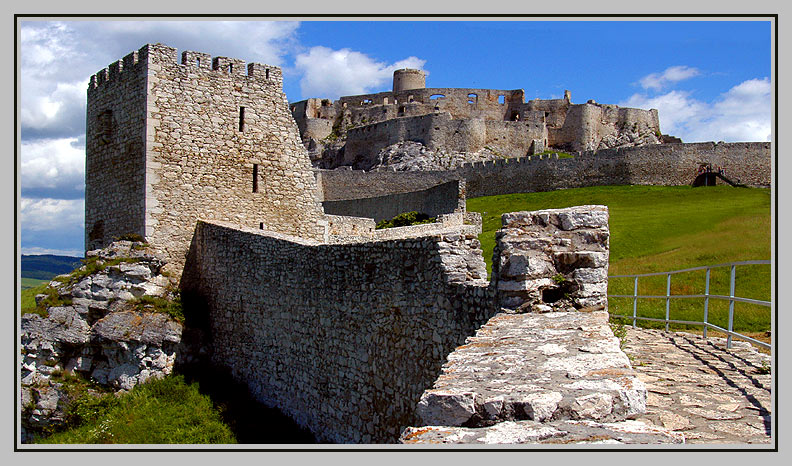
(707, 296)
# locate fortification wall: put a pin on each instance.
(219, 144)
(343, 338)
(655, 164)
(437, 200)
(115, 144)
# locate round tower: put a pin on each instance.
(407, 79)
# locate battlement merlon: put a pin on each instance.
(158, 55)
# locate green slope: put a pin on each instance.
(656, 228)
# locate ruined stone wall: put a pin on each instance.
(654, 164)
(115, 148)
(343, 338)
(440, 199)
(657, 164)
(219, 143)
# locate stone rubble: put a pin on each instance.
(96, 333)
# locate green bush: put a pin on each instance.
(172, 307)
(405, 219)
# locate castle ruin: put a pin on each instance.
(463, 121)
(341, 326)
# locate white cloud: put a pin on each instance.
(35, 250)
(672, 74)
(743, 113)
(333, 73)
(58, 58)
(53, 164)
(51, 214)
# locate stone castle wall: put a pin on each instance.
(658, 164)
(655, 164)
(344, 338)
(439, 131)
(219, 144)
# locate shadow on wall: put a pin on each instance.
(250, 421)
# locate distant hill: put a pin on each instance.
(47, 266)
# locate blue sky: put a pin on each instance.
(710, 80)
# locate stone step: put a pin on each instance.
(543, 368)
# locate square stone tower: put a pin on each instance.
(169, 142)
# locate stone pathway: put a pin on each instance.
(698, 388)
(550, 378)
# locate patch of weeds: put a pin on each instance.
(406, 219)
(620, 332)
(765, 369)
(53, 299)
(559, 278)
(561, 154)
(91, 266)
(134, 237)
(172, 307)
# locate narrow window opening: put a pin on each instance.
(261, 225)
(198, 62)
(266, 73)
(241, 119)
(255, 177)
(231, 68)
(501, 99)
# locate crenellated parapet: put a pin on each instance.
(138, 62)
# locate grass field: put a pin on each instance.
(27, 283)
(656, 229)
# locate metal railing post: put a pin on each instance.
(668, 299)
(731, 305)
(635, 302)
(706, 302)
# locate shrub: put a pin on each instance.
(405, 219)
(172, 307)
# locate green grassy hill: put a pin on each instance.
(655, 229)
(47, 266)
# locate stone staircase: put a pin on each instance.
(537, 378)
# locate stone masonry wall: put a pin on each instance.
(115, 145)
(653, 164)
(553, 260)
(202, 158)
(657, 164)
(344, 338)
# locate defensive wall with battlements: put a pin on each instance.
(748, 163)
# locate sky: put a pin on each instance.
(709, 80)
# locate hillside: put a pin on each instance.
(47, 266)
(656, 229)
